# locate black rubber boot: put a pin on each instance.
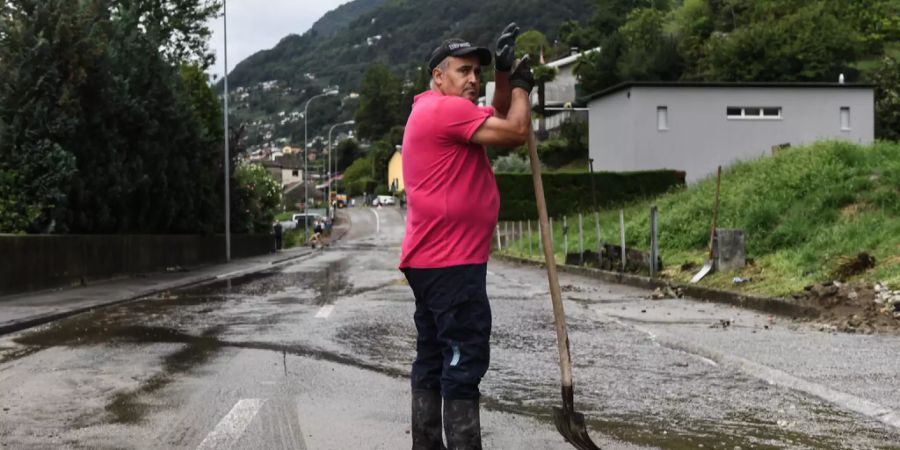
(426, 420)
(462, 424)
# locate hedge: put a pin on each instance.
(571, 192)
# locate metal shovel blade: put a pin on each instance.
(570, 423)
(704, 271)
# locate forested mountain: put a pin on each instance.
(399, 33)
(698, 40)
(334, 21)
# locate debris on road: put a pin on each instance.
(854, 307)
(666, 292)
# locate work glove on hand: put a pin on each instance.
(521, 76)
(506, 48)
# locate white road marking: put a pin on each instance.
(229, 274)
(491, 273)
(232, 426)
(377, 220)
(773, 376)
(325, 312)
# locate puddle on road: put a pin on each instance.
(130, 407)
(675, 434)
(117, 325)
(95, 329)
(331, 283)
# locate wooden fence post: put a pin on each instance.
(653, 241)
(622, 235)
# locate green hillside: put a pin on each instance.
(805, 211)
(400, 33)
(336, 20)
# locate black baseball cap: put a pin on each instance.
(458, 47)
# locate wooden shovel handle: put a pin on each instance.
(559, 316)
(712, 231)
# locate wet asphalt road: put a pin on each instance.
(314, 355)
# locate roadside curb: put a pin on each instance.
(41, 319)
(765, 304)
(34, 321)
(772, 375)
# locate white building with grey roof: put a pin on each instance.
(696, 126)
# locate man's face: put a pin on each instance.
(461, 78)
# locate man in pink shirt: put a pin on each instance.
(453, 204)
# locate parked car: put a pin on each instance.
(310, 218)
(384, 200)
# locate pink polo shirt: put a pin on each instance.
(451, 192)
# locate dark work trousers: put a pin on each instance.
(453, 320)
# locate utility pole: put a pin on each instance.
(330, 172)
(227, 158)
(306, 160)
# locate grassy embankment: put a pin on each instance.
(805, 212)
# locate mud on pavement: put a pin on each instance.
(853, 307)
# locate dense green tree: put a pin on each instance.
(694, 24)
(107, 131)
(421, 82)
(807, 44)
(573, 35)
(180, 26)
(887, 99)
(609, 15)
(379, 105)
(876, 22)
(39, 108)
(257, 198)
(532, 43)
(380, 154)
(358, 177)
(649, 53)
(597, 70)
(346, 152)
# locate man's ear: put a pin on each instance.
(437, 76)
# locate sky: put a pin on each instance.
(255, 25)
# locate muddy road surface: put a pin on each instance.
(314, 355)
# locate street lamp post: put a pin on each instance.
(306, 159)
(227, 158)
(330, 172)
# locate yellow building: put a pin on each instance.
(395, 171)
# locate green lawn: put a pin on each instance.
(804, 211)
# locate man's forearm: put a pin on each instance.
(502, 94)
(519, 108)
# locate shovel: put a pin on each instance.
(712, 234)
(569, 422)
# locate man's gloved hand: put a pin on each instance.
(521, 76)
(506, 48)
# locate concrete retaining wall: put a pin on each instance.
(35, 262)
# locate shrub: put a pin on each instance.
(570, 192)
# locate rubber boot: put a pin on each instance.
(426, 420)
(462, 424)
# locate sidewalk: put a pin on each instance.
(22, 311)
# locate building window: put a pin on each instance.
(845, 118)
(753, 112)
(662, 118)
(295, 172)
